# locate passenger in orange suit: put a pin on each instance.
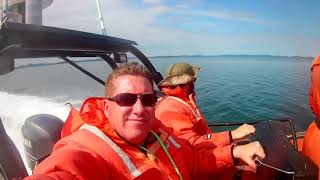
(179, 110)
(118, 137)
(311, 144)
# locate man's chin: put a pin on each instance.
(137, 123)
(137, 138)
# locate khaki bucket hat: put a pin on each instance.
(180, 73)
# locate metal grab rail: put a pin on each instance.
(83, 70)
(232, 123)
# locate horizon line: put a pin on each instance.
(199, 55)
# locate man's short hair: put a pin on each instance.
(132, 68)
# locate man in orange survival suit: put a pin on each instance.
(311, 145)
(120, 138)
(178, 109)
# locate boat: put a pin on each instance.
(41, 131)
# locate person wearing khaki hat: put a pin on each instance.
(179, 111)
(179, 80)
(179, 74)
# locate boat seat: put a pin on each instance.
(40, 133)
(11, 164)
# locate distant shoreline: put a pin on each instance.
(230, 55)
(155, 57)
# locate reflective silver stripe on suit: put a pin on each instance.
(132, 168)
(183, 102)
(174, 142)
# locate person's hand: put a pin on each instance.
(248, 153)
(242, 131)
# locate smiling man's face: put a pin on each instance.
(134, 122)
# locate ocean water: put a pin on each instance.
(228, 88)
(249, 88)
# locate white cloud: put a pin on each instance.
(158, 10)
(182, 7)
(222, 14)
(121, 18)
(154, 1)
(142, 25)
(227, 15)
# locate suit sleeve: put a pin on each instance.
(70, 162)
(205, 162)
(210, 162)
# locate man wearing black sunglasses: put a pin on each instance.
(118, 137)
(130, 103)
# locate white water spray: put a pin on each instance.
(14, 109)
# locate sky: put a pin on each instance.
(199, 27)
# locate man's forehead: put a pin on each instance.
(131, 83)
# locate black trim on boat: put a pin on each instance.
(43, 41)
(110, 61)
(33, 41)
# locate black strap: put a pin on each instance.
(317, 121)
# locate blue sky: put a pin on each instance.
(206, 27)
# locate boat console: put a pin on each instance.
(282, 160)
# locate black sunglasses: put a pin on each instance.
(129, 99)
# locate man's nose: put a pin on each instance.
(138, 107)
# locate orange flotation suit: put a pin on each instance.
(311, 144)
(180, 112)
(188, 123)
(183, 115)
(91, 149)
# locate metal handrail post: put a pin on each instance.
(4, 9)
(294, 136)
(83, 70)
(103, 29)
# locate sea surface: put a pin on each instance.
(228, 88)
(249, 88)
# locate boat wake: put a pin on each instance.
(14, 109)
